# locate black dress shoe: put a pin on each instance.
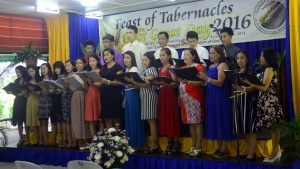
(253, 159)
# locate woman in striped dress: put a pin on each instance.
(246, 109)
(149, 98)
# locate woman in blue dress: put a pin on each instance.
(133, 123)
(218, 112)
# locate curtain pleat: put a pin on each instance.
(58, 36)
(81, 29)
(294, 28)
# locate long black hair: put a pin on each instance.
(24, 74)
(88, 67)
(49, 70)
(111, 51)
(247, 57)
(153, 62)
(169, 53)
(73, 64)
(270, 56)
(83, 61)
(194, 53)
(61, 66)
(37, 73)
(132, 56)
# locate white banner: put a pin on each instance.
(251, 20)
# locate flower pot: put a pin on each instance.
(31, 61)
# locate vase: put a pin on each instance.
(31, 61)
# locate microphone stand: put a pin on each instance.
(235, 74)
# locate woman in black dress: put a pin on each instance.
(111, 96)
(246, 110)
(19, 108)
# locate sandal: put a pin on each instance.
(169, 147)
(175, 148)
(190, 151)
(151, 150)
(195, 152)
(221, 155)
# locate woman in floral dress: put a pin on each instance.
(269, 109)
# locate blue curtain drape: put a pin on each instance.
(80, 30)
(288, 67)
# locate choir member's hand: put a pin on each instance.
(157, 82)
(246, 81)
(202, 75)
(66, 86)
(239, 88)
(130, 80)
(183, 81)
(89, 80)
(44, 88)
(24, 92)
(52, 87)
(31, 88)
(104, 81)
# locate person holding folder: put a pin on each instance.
(19, 107)
(191, 97)
(246, 109)
(168, 117)
(149, 98)
(92, 102)
(33, 103)
(269, 109)
(219, 115)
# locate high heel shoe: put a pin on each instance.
(276, 158)
(175, 148)
(195, 152)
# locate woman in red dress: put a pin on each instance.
(192, 102)
(168, 117)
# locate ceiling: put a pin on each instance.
(107, 7)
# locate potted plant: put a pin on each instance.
(110, 149)
(28, 54)
(289, 138)
(3, 136)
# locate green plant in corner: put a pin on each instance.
(280, 57)
(3, 136)
(289, 137)
(98, 52)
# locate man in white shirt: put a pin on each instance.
(192, 39)
(163, 39)
(138, 48)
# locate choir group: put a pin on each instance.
(77, 112)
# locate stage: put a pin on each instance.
(60, 157)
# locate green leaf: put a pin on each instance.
(98, 52)
(83, 49)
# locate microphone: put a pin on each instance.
(212, 25)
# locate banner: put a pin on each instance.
(251, 20)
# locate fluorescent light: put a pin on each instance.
(89, 2)
(94, 15)
(47, 9)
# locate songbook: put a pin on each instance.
(189, 73)
(55, 83)
(162, 78)
(135, 76)
(230, 76)
(73, 82)
(121, 78)
(252, 78)
(13, 87)
(35, 86)
(42, 83)
(95, 76)
(179, 62)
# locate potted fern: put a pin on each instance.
(289, 138)
(28, 54)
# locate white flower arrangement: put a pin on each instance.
(110, 149)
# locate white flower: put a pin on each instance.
(124, 141)
(125, 157)
(122, 161)
(110, 130)
(117, 138)
(119, 153)
(99, 145)
(107, 164)
(130, 150)
(97, 157)
(97, 161)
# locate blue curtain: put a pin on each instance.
(288, 67)
(80, 30)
